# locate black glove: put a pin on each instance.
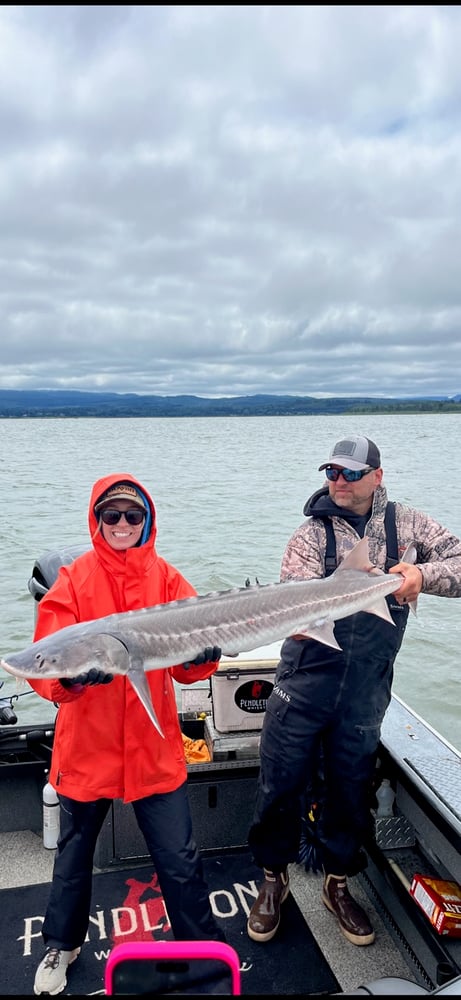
(209, 655)
(91, 677)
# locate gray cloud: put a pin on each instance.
(229, 200)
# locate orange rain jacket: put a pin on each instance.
(105, 745)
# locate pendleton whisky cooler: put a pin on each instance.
(239, 694)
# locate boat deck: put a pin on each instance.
(25, 860)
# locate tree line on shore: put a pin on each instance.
(42, 403)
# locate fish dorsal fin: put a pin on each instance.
(357, 558)
(409, 556)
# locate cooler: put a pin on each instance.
(239, 694)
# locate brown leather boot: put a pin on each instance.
(352, 919)
(264, 917)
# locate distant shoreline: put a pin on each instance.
(43, 404)
(50, 415)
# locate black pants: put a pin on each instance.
(295, 732)
(165, 822)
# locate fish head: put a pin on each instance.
(55, 657)
(64, 655)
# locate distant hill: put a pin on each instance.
(42, 403)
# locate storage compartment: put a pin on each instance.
(221, 799)
(25, 754)
(239, 695)
(221, 795)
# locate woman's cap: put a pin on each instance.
(355, 453)
(120, 491)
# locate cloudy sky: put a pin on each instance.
(228, 200)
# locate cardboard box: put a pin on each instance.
(440, 900)
(239, 695)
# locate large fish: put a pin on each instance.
(237, 620)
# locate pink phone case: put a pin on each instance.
(173, 951)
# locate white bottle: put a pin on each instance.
(385, 796)
(51, 822)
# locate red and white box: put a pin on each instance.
(440, 900)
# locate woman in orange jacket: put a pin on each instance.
(105, 746)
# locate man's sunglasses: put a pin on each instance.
(350, 475)
(132, 516)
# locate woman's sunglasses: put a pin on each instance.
(132, 516)
(350, 475)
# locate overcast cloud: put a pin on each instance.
(228, 200)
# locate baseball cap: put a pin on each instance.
(354, 452)
(120, 491)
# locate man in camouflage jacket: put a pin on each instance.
(327, 705)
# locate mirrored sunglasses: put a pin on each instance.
(134, 515)
(350, 475)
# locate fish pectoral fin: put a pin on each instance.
(138, 680)
(321, 633)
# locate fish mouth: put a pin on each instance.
(17, 667)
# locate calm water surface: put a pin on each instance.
(229, 492)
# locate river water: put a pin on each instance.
(229, 492)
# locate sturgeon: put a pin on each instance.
(236, 620)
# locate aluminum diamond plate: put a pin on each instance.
(443, 775)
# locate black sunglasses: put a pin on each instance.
(134, 515)
(350, 475)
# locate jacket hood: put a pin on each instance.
(320, 504)
(101, 486)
